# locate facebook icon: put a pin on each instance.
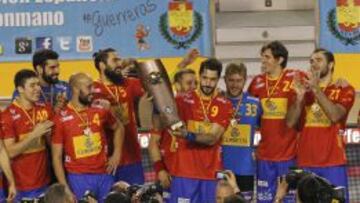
(44, 43)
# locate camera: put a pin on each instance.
(308, 183)
(146, 193)
(339, 193)
(294, 176)
(85, 198)
(220, 175)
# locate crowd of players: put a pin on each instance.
(84, 132)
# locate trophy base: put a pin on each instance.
(177, 125)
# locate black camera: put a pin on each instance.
(118, 196)
(339, 193)
(294, 176)
(146, 193)
(87, 195)
(308, 184)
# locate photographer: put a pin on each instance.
(310, 188)
(227, 186)
(58, 193)
(150, 193)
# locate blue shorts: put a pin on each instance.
(132, 174)
(99, 184)
(192, 190)
(336, 175)
(267, 177)
(167, 195)
(2, 195)
(30, 194)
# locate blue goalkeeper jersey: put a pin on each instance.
(238, 139)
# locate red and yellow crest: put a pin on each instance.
(181, 25)
(348, 15)
(180, 18)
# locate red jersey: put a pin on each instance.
(193, 160)
(2, 179)
(1, 174)
(125, 96)
(85, 145)
(31, 168)
(168, 148)
(278, 142)
(321, 142)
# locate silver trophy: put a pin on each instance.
(156, 81)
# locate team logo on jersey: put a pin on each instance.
(190, 101)
(181, 25)
(235, 132)
(66, 118)
(12, 111)
(260, 85)
(88, 143)
(344, 21)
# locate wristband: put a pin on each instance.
(159, 166)
(191, 137)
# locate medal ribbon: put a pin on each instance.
(114, 96)
(237, 107)
(84, 123)
(206, 109)
(30, 118)
(272, 91)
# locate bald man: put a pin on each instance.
(79, 137)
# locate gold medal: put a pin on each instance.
(120, 113)
(84, 123)
(236, 113)
(205, 109)
(233, 122)
(269, 104)
(271, 91)
(87, 131)
(315, 108)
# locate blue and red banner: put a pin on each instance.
(77, 28)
